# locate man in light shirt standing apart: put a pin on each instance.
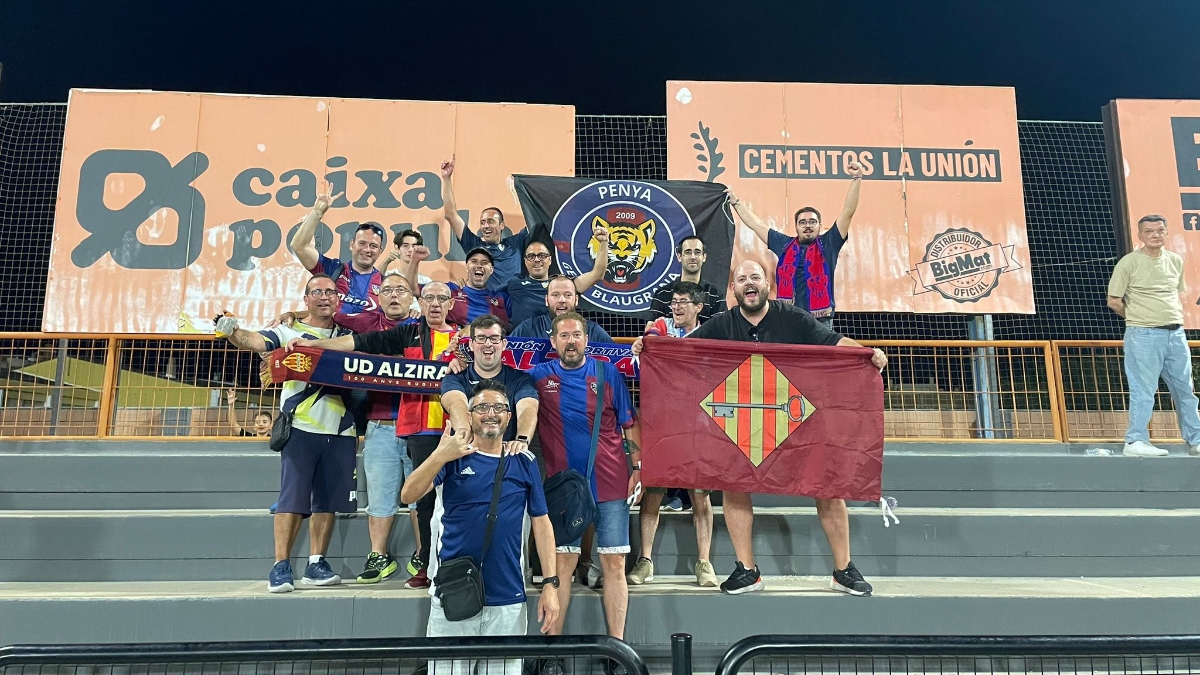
(1144, 290)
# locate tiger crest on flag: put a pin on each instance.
(631, 249)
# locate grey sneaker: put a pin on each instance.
(1194, 451)
(706, 577)
(643, 571)
(1142, 449)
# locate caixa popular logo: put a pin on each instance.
(962, 266)
(644, 223)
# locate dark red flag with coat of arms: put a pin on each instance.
(757, 417)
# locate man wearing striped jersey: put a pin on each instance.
(318, 474)
(462, 476)
(475, 298)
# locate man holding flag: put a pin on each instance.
(757, 319)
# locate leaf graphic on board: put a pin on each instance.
(711, 166)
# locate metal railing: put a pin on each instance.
(131, 386)
(501, 655)
(882, 655)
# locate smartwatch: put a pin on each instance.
(523, 439)
(553, 581)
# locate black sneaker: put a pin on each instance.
(743, 581)
(551, 667)
(380, 566)
(851, 581)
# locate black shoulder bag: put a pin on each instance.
(281, 428)
(460, 581)
(568, 494)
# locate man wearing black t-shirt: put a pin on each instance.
(692, 256)
(487, 346)
(757, 319)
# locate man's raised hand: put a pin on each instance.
(448, 168)
(324, 199)
(855, 169)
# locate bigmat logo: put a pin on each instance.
(176, 207)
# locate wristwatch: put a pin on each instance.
(523, 439)
(553, 581)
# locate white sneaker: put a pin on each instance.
(1194, 451)
(1142, 449)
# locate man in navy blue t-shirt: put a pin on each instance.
(475, 297)
(506, 251)
(487, 347)
(806, 262)
(527, 294)
(561, 297)
(463, 477)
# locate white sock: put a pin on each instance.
(315, 558)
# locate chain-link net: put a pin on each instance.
(31, 138)
(1072, 247)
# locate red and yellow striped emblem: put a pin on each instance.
(757, 407)
(297, 362)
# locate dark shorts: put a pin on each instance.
(318, 475)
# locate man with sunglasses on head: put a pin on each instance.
(527, 294)
(420, 418)
(691, 256)
(804, 272)
(475, 298)
(505, 251)
(357, 282)
(561, 298)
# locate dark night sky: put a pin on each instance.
(1066, 59)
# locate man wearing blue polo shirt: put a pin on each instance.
(463, 476)
(487, 346)
(505, 251)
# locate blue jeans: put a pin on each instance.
(386, 464)
(1149, 354)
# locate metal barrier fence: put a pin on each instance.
(507, 655)
(123, 386)
(787, 654)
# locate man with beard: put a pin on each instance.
(487, 346)
(476, 298)
(357, 283)
(503, 251)
(419, 418)
(687, 301)
(757, 319)
(561, 298)
(527, 294)
(462, 477)
(318, 478)
(804, 271)
(569, 401)
(691, 255)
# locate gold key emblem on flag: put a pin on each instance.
(757, 407)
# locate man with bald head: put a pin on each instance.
(758, 319)
(419, 418)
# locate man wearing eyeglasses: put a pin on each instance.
(527, 294)
(757, 319)
(462, 477)
(561, 298)
(475, 298)
(804, 273)
(505, 251)
(692, 256)
(357, 283)
(420, 418)
(318, 475)
(487, 346)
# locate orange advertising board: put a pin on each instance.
(940, 225)
(1154, 150)
(175, 207)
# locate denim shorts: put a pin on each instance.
(386, 465)
(612, 530)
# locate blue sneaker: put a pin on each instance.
(280, 580)
(320, 574)
(673, 504)
(272, 509)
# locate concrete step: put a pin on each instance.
(39, 613)
(167, 545)
(58, 475)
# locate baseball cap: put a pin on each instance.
(480, 249)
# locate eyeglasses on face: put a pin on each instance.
(318, 292)
(531, 257)
(436, 299)
(487, 339)
(807, 221)
(393, 290)
(484, 408)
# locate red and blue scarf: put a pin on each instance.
(805, 264)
